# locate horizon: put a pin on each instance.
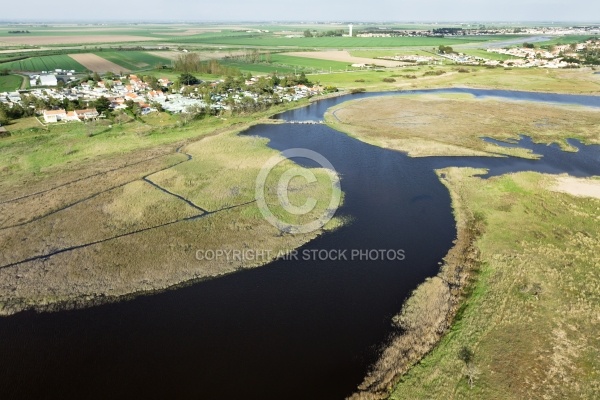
(511, 11)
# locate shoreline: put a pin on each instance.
(439, 298)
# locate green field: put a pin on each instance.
(565, 40)
(332, 42)
(485, 54)
(133, 60)
(10, 82)
(309, 63)
(44, 63)
(261, 68)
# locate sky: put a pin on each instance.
(304, 10)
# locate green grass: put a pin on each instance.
(486, 54)
(530, 317)
(44, 63)
(309, 63)
(261, 68)
(568, 39)
(284, 64)
(383, 53)
(133, 60)
(10, 82)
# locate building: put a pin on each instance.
(51, 116)
(43, 80)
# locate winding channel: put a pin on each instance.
(294, 328)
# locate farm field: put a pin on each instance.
(10, 82)
(44, 63)
(71, 39)
(259, 68)
(134, 60)
(331, 42)
(98, 64)
(343, 56)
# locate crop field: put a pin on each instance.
(332, 42)
(261, 68)
(10, 82)
(134, 60)
(312, 63)
(44, 63)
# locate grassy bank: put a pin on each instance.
(87, 221)
(531, 319)
(575, 81)
(443, 124)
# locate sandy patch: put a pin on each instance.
(97, 64)
(344, 56)
(577, 186)
(46, 40)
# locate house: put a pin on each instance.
(51, 116)
(84, 115)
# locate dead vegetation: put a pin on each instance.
(123, 225)
(430, 310)
(531, 317)
(432, 125)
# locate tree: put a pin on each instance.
(4, 120)
(188, 79)
(307, 33)
(466, 355)
(102, 105)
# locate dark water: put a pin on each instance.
(292, 329)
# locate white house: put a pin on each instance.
(54, 115)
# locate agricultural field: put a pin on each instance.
(257, 68)
(309, 63)
(10, 82)
(44, 63)
(134, 60)
(331, 42)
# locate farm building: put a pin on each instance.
(43, 80)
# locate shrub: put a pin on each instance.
(389, 80)
(358, 90)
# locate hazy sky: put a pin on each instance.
(305, 10)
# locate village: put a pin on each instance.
(150, 95)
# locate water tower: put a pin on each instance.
(350, 30)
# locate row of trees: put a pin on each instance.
(192, 63)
